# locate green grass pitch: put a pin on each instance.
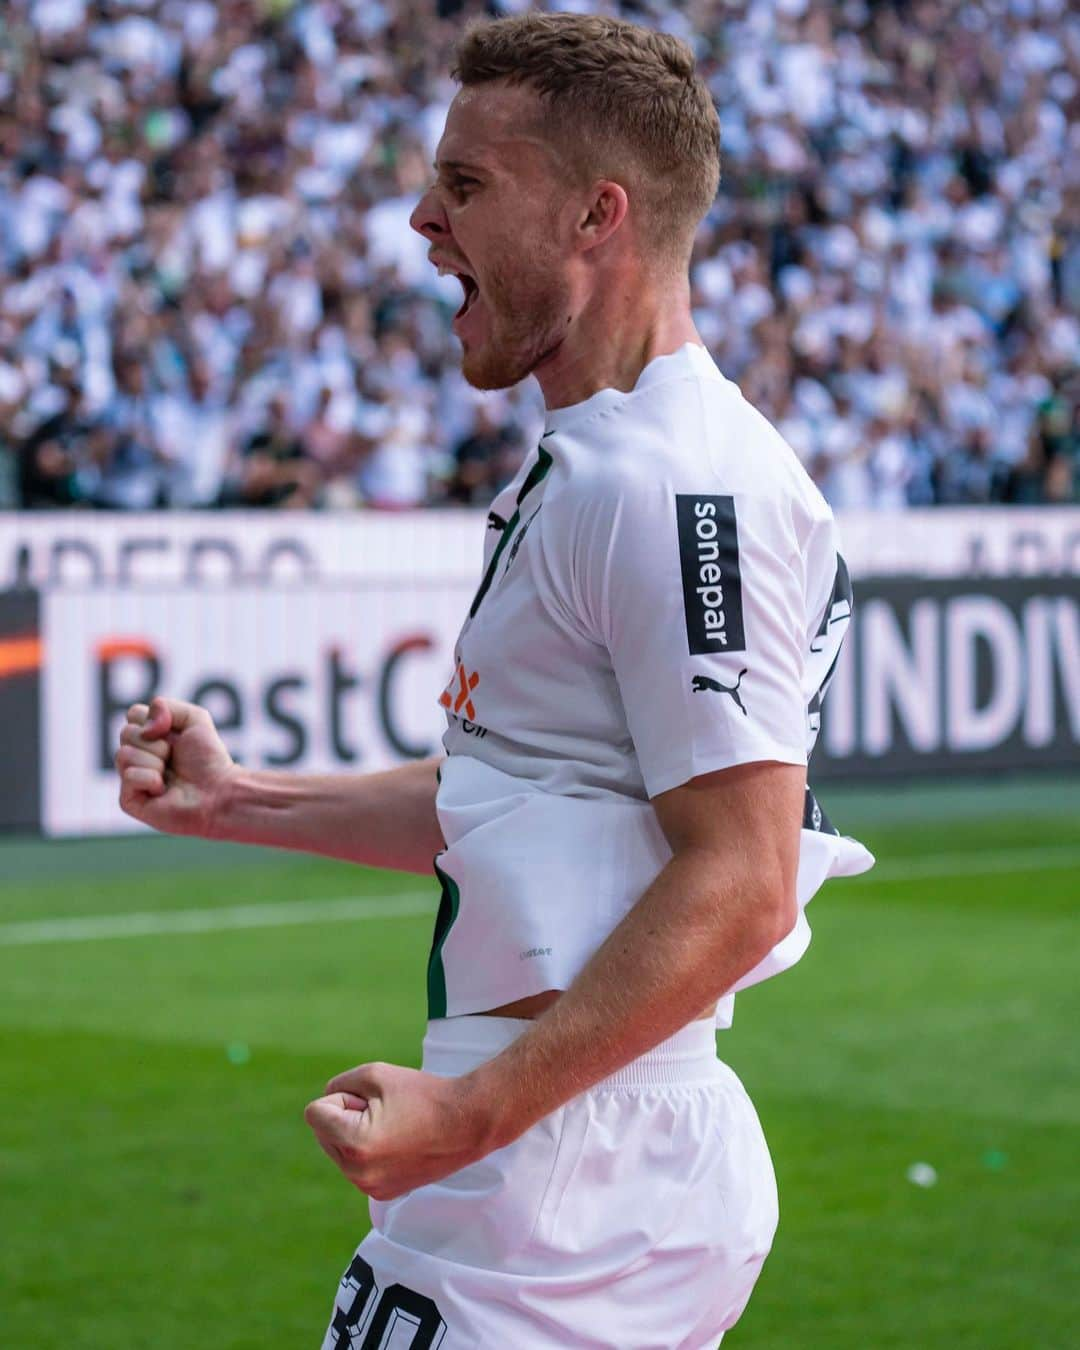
(159, 1189)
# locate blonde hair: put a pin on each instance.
(619, 101)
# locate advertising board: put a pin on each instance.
(320, 642)
(936, 676)
(74, 548)
(955, 676)
(20, 710)
(316, 680)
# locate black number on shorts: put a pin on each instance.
(396, 1304)
(361, 1279)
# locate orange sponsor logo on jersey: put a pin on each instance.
(460, 700)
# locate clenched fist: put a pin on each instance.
(173, 767)
(391, 1129)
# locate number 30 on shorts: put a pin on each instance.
(368, 1322)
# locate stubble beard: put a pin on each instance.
(528, 319)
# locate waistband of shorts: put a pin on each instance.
(456, 1045)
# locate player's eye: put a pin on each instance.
(463, 187)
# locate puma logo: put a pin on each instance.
(700, 683)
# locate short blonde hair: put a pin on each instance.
(620, 101)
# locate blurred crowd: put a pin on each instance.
(211, 296)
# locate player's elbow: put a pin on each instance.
(775, 911)
(783, 913)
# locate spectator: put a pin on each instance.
(483, 460)
(192, 432)
(58, 459)
(274, 469)
(131, 476)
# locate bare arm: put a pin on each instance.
(380, 819)
(177, 776)
(724, 900)
(726, 897)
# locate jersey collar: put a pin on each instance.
(690, 358)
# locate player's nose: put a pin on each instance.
(429, 218)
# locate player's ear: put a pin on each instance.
(605, 210)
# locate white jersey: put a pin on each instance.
(662, 597)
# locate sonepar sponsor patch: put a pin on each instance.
(712, 587)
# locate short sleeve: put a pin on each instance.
(699, 600)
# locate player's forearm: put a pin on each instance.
(701, 926)
(380, 819)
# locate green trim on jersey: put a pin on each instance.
(449, 904)
(450, 901)
(536, 474)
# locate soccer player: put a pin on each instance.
(623, 828)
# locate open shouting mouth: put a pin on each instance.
(468, 285)
(471, 289)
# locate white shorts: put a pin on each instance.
(636, 1217)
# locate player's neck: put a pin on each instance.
(614, 337)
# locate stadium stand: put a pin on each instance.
(212, 297)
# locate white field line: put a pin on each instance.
(1049, 858)
(285, 914)
(350, 908)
